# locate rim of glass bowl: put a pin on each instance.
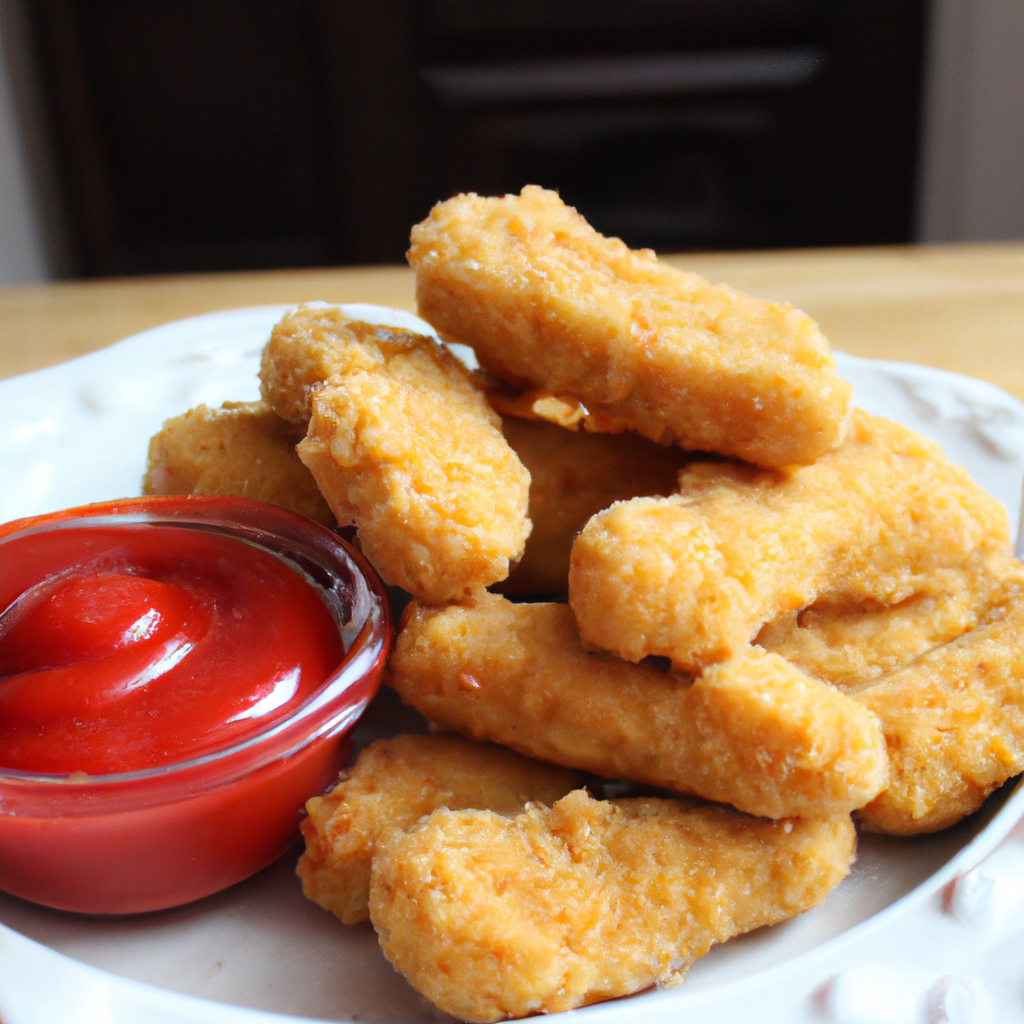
(314, 551)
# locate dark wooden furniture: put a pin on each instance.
(240, 134)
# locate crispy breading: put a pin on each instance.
(587, 900)
(540, 404)
(693, 577)
(245, 450)
(851, 645)
(573, 476)
(403, 446)
(942, 672)
(545, 301)
(754, 732)
(953, 721)
(242, 450)
(313, 342)
(392, 785)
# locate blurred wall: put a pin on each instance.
(972, 172)
(33, 242)
(24, 253)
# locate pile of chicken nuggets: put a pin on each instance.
(783, 613)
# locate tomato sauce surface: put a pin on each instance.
(139, 646)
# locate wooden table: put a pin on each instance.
(956, 307)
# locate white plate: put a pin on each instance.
(78, 432)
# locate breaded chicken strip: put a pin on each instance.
(546, 301)
(953, 721)
(315, 341)
(695, 576)
(587, 900)
(754, 732)
(403, 446)
(942, 672)
(242, 450)
(572, 477)
(393, 784)
(853, 645)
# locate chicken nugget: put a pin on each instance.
(392, 785)
(313, 342)
(545, 301)
(693, 577)
(953, 721)
(941, 672)
(851, 645)
(754, 732)
(572, 477)
(403, 446)
(241, 450)
(587, 900)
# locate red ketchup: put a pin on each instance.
(169, 644)
(172, 690)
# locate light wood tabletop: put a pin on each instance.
(956, 307)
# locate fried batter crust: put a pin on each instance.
(852, 645)
(694, 576)
(392, 785)
(572, 477)
(241, 450)
(403, 446)
(587, 900)
(546, 301)
(953, 721)
(314, 342)
(754, 732)
(245, 450)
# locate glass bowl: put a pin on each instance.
(160, 837)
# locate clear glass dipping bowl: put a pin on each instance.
(146, 840)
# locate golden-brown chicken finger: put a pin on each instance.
(403, 446)
(694, 576)
(559, 907)
(392, 785)
(572, 476)
(242, 450)
(851, 645)
(954, 723)
(753, 732)
(940, 672)
(313, 342)
(545, 300)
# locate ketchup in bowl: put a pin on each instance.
(176, 676)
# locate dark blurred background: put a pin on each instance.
(190, 135)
